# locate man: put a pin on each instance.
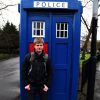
(36, 72)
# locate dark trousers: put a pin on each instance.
(37, 91)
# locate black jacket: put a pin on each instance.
(26, 67)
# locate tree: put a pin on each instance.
(98, 46)
(89, 30)
(9, 38)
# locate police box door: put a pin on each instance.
(61, 34)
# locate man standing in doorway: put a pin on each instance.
(36, 72)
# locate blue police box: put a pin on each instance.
(58, 22)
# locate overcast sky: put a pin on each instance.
(87, 14)
(12, 15)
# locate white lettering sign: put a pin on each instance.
(45, 4)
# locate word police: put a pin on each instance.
(43, 4)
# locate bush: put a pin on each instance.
(10, 51)
(6, 56)
(87, 56)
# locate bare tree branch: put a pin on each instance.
(6, 6)
(89, 34)
(84, 21)
(87, 3)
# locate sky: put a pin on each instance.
(12, 15)
(87, 14)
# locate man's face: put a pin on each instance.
(38, 47)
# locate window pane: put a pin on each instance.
(57, 33)
(62, 33)
(62, 26)
(38, 25)
(41, 32)
(38, 32)
(34, 24)
(35, 32)
(66, 26)
(58, 26)
(65, 33)
(41, 25)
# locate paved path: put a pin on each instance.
(97, 83)
(9, 79)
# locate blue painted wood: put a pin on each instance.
(76, 54)
(72, 4)
(23, 47)
(61, 58)
(63, 52)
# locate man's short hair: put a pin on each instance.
(38, 40)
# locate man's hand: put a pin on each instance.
(45, 88)
(27, 87)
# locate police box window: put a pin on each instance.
(38, 29)
(61, 30)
